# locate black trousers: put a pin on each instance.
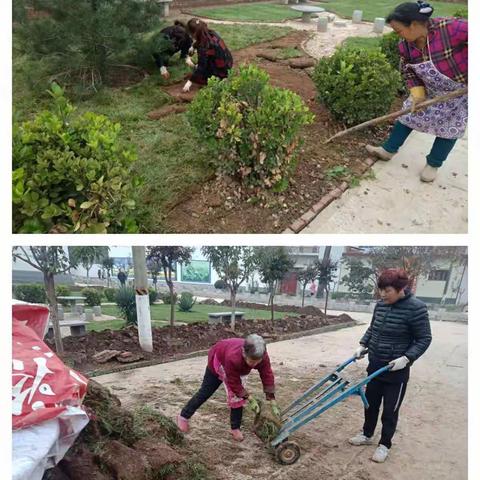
(392, 395)
(209, 386)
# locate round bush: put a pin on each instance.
(166, 299)
(110, 294)
(252, 127)
(356, 85)
(32, 293)
(152, 295)
(70, 173)
(389, 47)
(93, 297)
(220, 285)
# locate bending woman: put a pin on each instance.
(214, 58)
(229, 362)
(434, 61)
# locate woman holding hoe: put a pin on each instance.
(229, 362)
(434, 62)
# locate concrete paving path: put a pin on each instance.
(396, 201)
(431, 439)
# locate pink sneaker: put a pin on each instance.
(237, 435)
(182, 424)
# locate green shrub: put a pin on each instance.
(356, 85)
(152, 295)
(125, 300)
(186, 302)
(31, 292)
(389, 47)
(92, 296)
(220, 285)
(166, 299)
(462, 12)
(110, 294)
(70, 174)
(252, 127)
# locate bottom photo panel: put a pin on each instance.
(239, 362)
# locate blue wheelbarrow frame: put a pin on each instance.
(329, 391)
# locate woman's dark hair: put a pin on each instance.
(393, 277)
(198, 30)
(409, 12)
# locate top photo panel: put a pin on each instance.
(217, 116)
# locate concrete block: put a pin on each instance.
(379, 25)
(61, 312)
(357, 16)
(322, 24)
(97, 311)
(89, 315)
(340, 23)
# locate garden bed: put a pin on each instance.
(216, 206)
(171, 343)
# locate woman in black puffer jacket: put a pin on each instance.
(398, 335)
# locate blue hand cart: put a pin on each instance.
(329, 391)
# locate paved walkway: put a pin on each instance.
(396, 201)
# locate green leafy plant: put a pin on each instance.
(62, 291)
(125, 300)
(152, 295)
(110, 294)
(220, 285)
(31, 292)
(356, 85)
(166, 298)
(70, 173)
(186, 302)
(92, 296)
(461, 13)
(339, 171)
(389, 47)
(252, 127)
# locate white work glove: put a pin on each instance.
(191, 51)
(164, 72)
(187, 86)
(399, 363)
(189, 62)
(360, 352)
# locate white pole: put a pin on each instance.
(142, 299)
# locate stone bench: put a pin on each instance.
(224, 317)
(77, 328)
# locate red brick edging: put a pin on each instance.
(298, 225)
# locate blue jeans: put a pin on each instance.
(438, 154)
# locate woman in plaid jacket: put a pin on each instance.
(214, 58)
(434, 62)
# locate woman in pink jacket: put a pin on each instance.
(229, 362)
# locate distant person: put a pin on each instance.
(122, 277)
(399, 334)
(214, 58)
(313, 289)
(434, 62)
(229, 362)
(168, 42)
(99, 273)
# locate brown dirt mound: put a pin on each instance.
(170, 343)
(114, 435)
(208, 301)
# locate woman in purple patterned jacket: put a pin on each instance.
(434, 61)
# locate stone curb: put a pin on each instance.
(200, 353)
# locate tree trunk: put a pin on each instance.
(303, 295)
(272, 308)
(49, 282)
(233, 300)
(172, 305)
(88, 276)
(326, 300)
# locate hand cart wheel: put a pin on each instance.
(287, 453)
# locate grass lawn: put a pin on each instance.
(381, 8)
(161, 314)
(362, 42)
(259, 12)
(170, 157)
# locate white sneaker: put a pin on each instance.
(360, 439)
(428, 174)
(381, 454)
(379, 152)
